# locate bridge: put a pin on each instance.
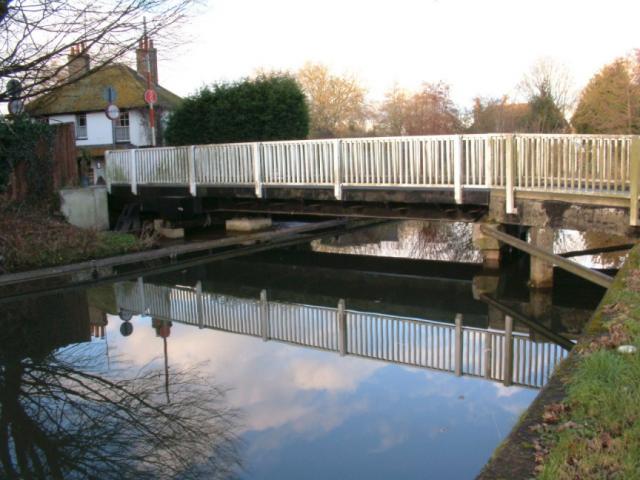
(506, 355)
(461, 169)
(539, 181)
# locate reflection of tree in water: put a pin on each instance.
(452, 241)
(63, 416)
(445, 241)
(571, 240)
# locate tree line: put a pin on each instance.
(314, 102)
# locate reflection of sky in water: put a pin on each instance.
(314, 414)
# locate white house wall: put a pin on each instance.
(139, 128)
(100, 132)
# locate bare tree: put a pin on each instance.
(337, 105)
(548, 77)
(36, 37)
(432, 112)
(393, 112)
(425, 112)
(66, 413)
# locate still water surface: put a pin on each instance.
(286, 365)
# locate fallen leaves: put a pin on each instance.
(553, 412)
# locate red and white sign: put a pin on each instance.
(150, 96)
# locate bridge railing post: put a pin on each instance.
(192, 170)
(257, 169)
(507, 367)
(199, 305)
(457, 168)
(634, 183)
(264, 315)
(510, 174)
(134, 176)
(458, 345)
(488, 161)
(341, 317)
(337, 169)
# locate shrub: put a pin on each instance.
(266, 108)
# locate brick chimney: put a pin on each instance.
(145, 51)
(78, 61)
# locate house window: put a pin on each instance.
(122, 127)
(81, 126)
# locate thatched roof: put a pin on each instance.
(86, 95)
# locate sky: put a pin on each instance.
(480, 48)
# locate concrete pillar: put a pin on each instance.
(539, 309)
(488, 246)
(484, 285)
(541, 272)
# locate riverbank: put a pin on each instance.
(33, 238)
(584, 423)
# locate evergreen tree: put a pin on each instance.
(544, 115)
(266, 108)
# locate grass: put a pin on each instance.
(33, 238)
(596, 433)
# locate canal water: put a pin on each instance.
(302, 363)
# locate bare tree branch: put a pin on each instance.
(36, 37)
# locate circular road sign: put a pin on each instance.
(150, 96)
(112, 112)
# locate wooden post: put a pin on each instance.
(264, 315)
(134, 179)
(634, 181)
(341, 318)
(507, 368)
(192, 171)
(337, 170)
(510, 174)
(457, 168)
(257, 170)
(458, 352)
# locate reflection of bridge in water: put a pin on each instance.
(500, 355)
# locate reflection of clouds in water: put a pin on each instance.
(280, 385)
(388, 437)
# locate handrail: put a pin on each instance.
(449, 347)
(603, 165)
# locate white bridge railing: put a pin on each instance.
(505, 356)
(592, 165)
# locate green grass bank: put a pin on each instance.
(584, 424)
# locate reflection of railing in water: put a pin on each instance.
(505, 356)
